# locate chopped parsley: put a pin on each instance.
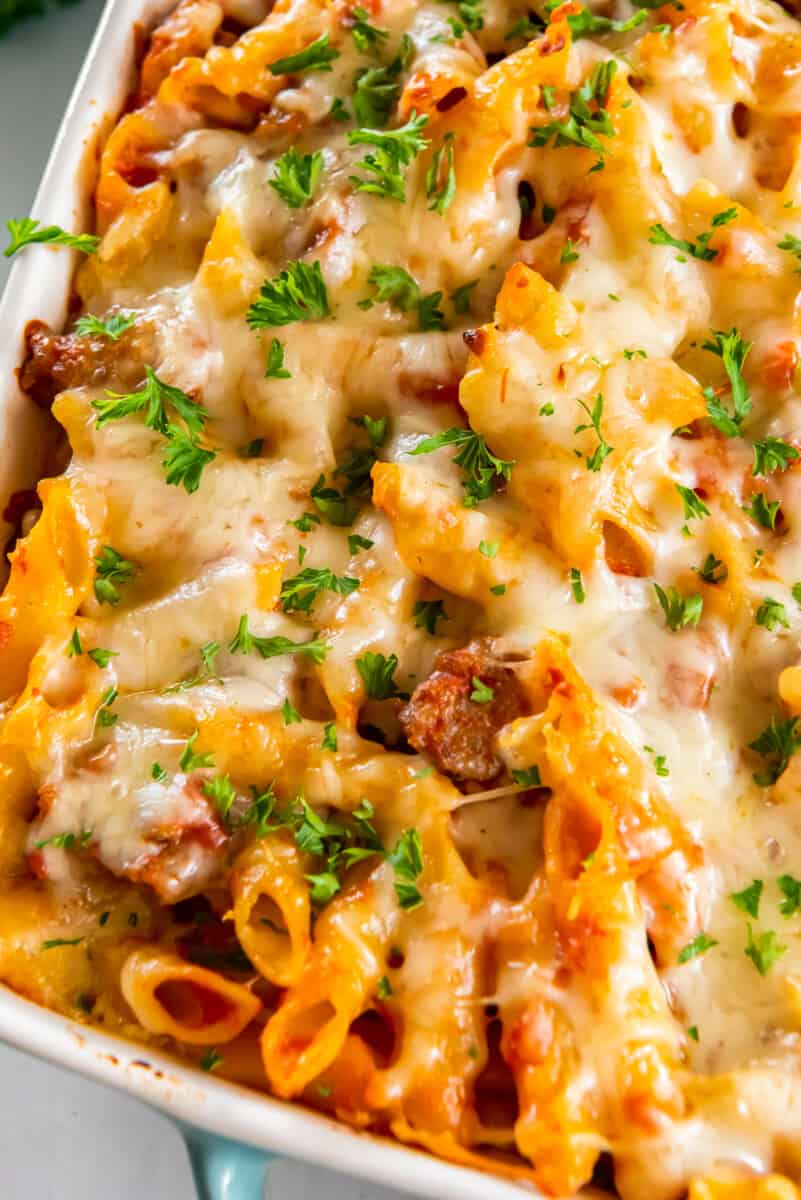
(74, 646)
(298, 293)
(407, 860)
(245, 642)
(296, 177)
(584, 123)
(158, 773)
(765, 512)
(426, 613)
(384, 989)
(481, 693)
(105, 717)
(577, 585)
(393, 151)
(66, 841)
(777, 744)
(488, 549)
(210, 1060)
(694, 507)
(290, 713)
(733, 350)
(773, 454)
(680, 611)
(154, 399)
(190, 761)
(377, 90)
(222, 794)
(764, 950)
(480, 466)
(316, 57)
(790, 888)
(441, 177)
(528, 777)
(356, 543)
(275, 370)
(330, 740)
(366, 37)
(569, 253)
(184, 460)
(52, 943)
(602, 451)
(792, 244)
(699, 249)
(772, 615)
(101, 658)
(111, 568)
(396, 287)
(301, 591)
(748, 899)
(585, 23)
(461, 298)
(699, 945)
(25, 232)
(112, 328)
(692, 1031)
(712, 570)
(377, 673)
(208, 654)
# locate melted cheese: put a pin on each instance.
(573, 300)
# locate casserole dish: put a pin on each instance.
(231, 1134)
(486, 904)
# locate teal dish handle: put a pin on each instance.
(225, 1170)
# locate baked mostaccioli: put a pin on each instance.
(400, 668)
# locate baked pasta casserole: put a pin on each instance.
(401, 698)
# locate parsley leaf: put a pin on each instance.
(482, 693)
(426, 613)
(356, 543)
(190, 761)
(577, 585)
(407, 860)
(733, 350)
(275, 367)
(602, 451)
(210, 1060)
(773, 454)
(441, 177)
(26, 231)
(330, 740)
(791, 890)
(184, 460)
(772, 614)
(316, 57)
(366, 37)
(777, 743)
(297, 294)
(586, 23)
(111, 568)
(376, 92)
(679, 610)
(699, 945)
(481, 467)
(764, 950)
(699, 249)
(394, 150)
(245, 642)
(299, 593)
(221, 792)
(765, 512)
(694, 507)
(290, 713)
(296, 177)
(527, 777)
(712, 570)
(52, 943)
(584, 123)
(460, 298)
(74, 646)
(101, 658)
(377, 673)
(153, 399)
(793, 244)
(113, 328)
(748, 899)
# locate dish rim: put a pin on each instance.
(38, 287)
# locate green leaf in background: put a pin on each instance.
(12, 11)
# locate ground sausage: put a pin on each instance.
(456, 732)
(55, 362)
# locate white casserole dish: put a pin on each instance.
(220, 1120)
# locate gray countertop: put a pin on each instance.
(61, 1137)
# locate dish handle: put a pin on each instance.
(223, 1169)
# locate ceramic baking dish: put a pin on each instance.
(231, 1133)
